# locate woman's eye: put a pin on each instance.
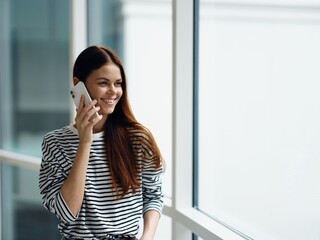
(103, 83)
(118, 83)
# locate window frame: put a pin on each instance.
(185, 218)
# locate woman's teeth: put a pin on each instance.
(109, 101)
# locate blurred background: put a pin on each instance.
(228, 88)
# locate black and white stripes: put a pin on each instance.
(101, 213)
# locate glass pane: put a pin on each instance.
(34, 99)
(140, 32)
(23, 216)
(105, 25)
(35, 73)
(259, 117)
(196, 237)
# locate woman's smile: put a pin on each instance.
(109, 101)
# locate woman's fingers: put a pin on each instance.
(90, 114)
(82, 110)
(86, 115)
(96, 119)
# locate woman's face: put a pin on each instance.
(105, 85)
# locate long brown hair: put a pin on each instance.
(121, 158)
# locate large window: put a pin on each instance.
(259, 117)
(34, 99)
(229, 86)
(35, 73)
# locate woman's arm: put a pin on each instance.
(150, 223)
(151, 189)
(72, 189)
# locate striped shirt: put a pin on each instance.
(101, 214)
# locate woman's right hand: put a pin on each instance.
(73, 187)
(84, 120)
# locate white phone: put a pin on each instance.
(77, 91)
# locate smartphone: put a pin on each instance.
(77, 91)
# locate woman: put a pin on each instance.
(100, 174)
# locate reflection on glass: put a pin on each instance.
(34, 99)
(22, 212)
(38, 69)
(259, 117)
(105, 25)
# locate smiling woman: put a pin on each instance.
(98, 176)
(105, 85)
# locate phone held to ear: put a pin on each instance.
(77, 91)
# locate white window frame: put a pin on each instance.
(185, 218)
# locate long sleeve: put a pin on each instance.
(152, 190)
(151, 182)
(51, 177)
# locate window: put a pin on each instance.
(258, 121)
(34, 100)
(35, 72)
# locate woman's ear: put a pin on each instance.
(75, 80)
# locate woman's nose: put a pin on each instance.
(111, 89)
